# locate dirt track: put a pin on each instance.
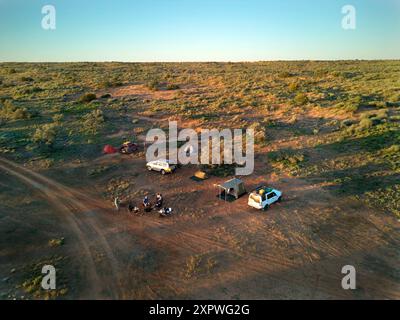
(296, 250)
(73, 210)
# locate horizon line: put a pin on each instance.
(202, 61)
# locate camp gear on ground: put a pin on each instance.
(133, 209)
(128, 148)
(165, 212)
(200, 175)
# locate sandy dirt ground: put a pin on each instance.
(208, 249)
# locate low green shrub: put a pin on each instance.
(88, 97)
(287, 160)
(285, 74)
(300, 99)
(27, 79)
(153, 85)
(293, 86)
(93, 121)
(11, 112)
(45, 135)
(364, 124)
(111, 83)
(32, 90)
(172, 86)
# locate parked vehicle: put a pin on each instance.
(262, 197)
(162, 166)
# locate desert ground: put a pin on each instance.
(327, 136)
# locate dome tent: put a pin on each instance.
(108, 149)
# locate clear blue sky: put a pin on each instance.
(198, 30)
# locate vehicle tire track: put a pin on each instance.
(69, 206)
(258, 264)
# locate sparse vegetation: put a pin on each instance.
(88, 97)
(172, 86)
(287, 160)
(45, 135)
(326, 133)
(33, 279)
(385, 198)
(56, 242)
(266, 96)
(293, 86)
(11, 112)
(93, 121)
(110, 84)
(221, 170)
(364, 124)
(300, 99)
(199, 265)
(153, 85)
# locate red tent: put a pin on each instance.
(109, 149)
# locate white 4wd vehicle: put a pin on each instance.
(263, 197)
(162, 166)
